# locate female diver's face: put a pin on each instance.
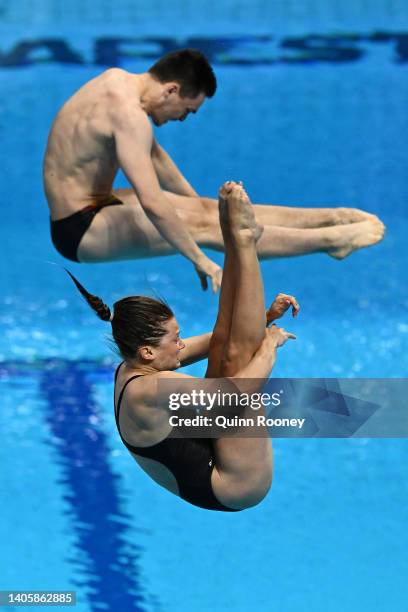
(168, 351)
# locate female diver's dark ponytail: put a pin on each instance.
(101, 309)
(136, 320)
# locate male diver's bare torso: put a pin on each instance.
(80, 162)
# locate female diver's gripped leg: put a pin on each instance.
(243, 465)
(222, 332)
(248, 319)
(222, 327)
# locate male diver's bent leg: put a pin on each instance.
(121, 233)
(125, 232)
(286, 216)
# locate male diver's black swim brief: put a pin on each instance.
(67, 233)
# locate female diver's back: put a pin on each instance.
(190, 460)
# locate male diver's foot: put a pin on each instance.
(355, 236)
(241, 217)
(344, 216)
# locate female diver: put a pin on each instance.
(227, 473)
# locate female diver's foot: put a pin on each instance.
(223, 194)
(241, 217)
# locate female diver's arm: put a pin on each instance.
(196, 348)
(249, 379)
(150, 407)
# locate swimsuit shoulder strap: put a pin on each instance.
(117, 408)
(117, 371)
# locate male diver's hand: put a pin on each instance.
(207, 268)
(277, 336)
(280, 305)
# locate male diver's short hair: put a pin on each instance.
(190, 69)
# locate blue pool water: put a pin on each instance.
(310, 111)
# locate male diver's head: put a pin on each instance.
(186, 79)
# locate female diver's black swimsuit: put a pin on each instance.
(190, 460)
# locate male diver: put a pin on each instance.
(105, 126)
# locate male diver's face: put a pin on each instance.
(170, 347)
(173, 107)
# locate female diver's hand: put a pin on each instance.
(280, 305)
(277, 336)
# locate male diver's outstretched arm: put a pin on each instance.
(134, 140)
